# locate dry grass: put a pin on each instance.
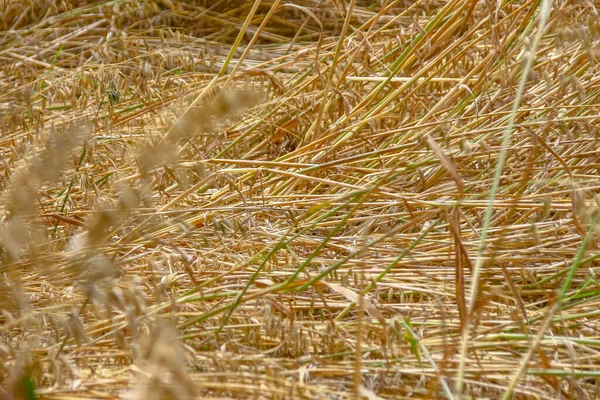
(324, 199)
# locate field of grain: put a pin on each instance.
(321, 199)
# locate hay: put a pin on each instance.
(323, 199)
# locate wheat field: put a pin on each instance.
(323, 199)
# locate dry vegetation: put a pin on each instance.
(324, 199)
